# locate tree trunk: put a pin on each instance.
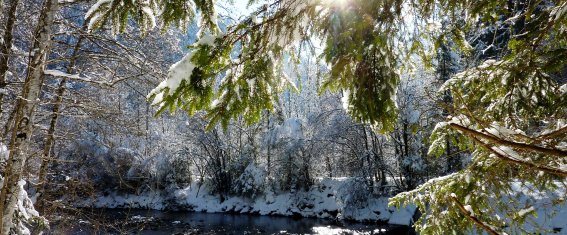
(409, 173)
(50, 138)
(380, 160)
(269, 153)
(329, 166)
(1, 8)
(23, 120)
(368, 172)
(6, 47)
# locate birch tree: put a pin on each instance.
(24, 116)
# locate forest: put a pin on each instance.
(446, 116)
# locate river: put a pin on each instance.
(125, 221)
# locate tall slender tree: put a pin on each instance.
(6, 47)
(24, 117)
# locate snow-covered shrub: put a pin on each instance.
(26, 219)
(26, 214)
(179, 171)
(84, 159)
(352, 195)
(413, 167)
(292, 158)
(242, 161)
(151, 171)
(107, 169)
(415, 163)
(160, 171)
(251, 183)
(118, 162)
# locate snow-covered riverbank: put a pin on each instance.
(329, 198)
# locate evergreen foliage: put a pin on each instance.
(177, 12)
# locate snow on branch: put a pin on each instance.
(77, 77)
(57, 73)
(496, 140)
(467, 211)
(506, 153)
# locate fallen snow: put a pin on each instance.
(322, 201)
(57, 73)
(25, 211)
(4, 153)
(524, 212)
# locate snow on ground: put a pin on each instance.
(328, 230)
(322, 201)
(326, 199)
(151, 200)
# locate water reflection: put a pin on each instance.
(157, 222)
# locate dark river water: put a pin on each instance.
(124, 221)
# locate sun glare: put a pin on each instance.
(336, 3)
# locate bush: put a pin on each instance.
(352, 196)
(251, 183)
(179, 172)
